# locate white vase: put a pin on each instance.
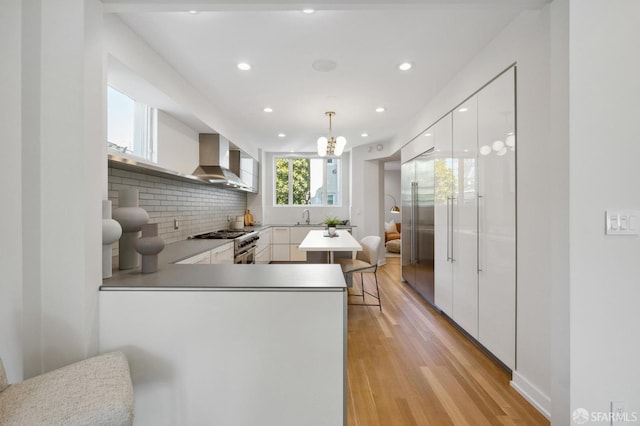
(149, 245)
(111, 231)
(131, 218)
(332, 231)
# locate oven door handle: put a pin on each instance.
(246, 256)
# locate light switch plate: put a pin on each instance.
(621, 222)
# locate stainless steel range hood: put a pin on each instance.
(214, 163)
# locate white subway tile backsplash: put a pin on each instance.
(198, 208)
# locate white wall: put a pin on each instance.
(391, 187)
(559, 191)
(71, 186)
(53, 193)
(604, 174)
(367, 187)
(293, 214)
(11, 309)
(525, 42)
(129, 49)
(31, 134)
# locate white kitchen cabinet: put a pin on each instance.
(280, 247)
(296, 235)
(202, 258)
(440, 137)
(264, 241)
(295, 255)
(497, 219)
(464, 209)
(222, 254)
(263, 247)
(280, 235)
(474, 217)
(280, 253)
(264, 256)
(231, 357)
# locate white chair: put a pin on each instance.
(365, 261)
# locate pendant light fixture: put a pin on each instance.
(331, 145)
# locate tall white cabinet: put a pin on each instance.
(474, 217)
(497, 218)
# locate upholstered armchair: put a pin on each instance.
(96, 391)
(392, 236)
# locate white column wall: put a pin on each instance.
(31, 117)
(559, 175)
(10, 191)
(94, 150)
(60, 178)
(604, 174)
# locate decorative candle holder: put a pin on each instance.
(149, 246)
(131, 218)
(111, 231)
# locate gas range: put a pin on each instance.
(244, 242)
(222, 234)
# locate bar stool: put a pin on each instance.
(366, 261)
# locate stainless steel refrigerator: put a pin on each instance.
(418, 191)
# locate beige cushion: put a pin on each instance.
(390, 226)
(96, 391)
(391, 236)
(393, 246)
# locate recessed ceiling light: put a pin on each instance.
(193, 12)
(463, 109)
(405, 66)
(427, 134)
(380, 109)
(268, 109)
(244, 66)
(364, 135)
(308, 11)
(281, 135)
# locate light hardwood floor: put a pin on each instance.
(409, 366)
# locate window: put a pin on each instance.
(131, 126)
(302, 181)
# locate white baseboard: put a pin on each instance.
(539, 400)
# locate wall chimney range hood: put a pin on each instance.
(214, 163)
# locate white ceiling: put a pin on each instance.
(367, 41)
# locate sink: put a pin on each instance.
(309, 224)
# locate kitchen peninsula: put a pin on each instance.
(230, 344)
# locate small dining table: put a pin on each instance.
(318, 240)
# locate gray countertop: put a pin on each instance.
(231, 277)
(315, 225)
(224, 277)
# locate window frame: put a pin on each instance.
(325, 196)
(145, 130)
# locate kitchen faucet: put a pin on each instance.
(308, 219)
